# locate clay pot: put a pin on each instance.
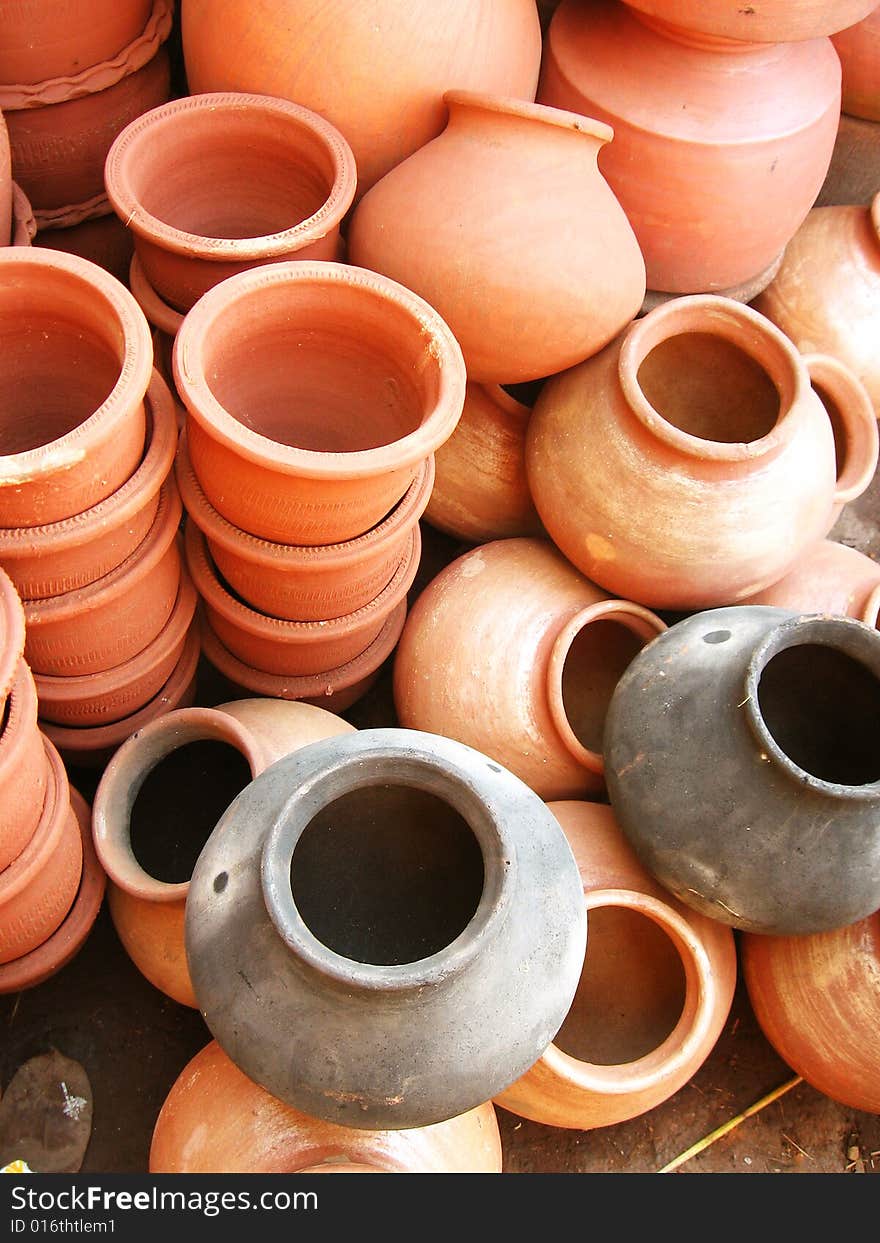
(746, 777)
(767, 21)
(215, 1120)
(103, 240)
(304, 583)
(11, 633)
(443, 223)
(701, 126)
(655, 991)
(106, 623)
(816, 1001)
(161, 316)
(76, 363)
(854, 173)
(23, 770)
(532, 652)
(66, 941)
(24, 226)
(227, 747)
(377, 74)
(481, 492)
(63, 556)
(214, 184)
(828, 578)
(5, 182)
(439, 902)
(315, 392)
(826, 294)
(858, 47)
(717, 457)
(38, 888)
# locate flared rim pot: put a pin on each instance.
(415, 1039)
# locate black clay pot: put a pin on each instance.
(743, 763)
(385, 929)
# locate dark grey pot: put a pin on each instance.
(743, 764)
(385, 929)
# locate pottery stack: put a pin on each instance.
(854, 174)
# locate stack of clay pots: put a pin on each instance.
(854, 175)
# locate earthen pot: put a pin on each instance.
(103, 240)
(69, 937)
(701, 126)
(816, 1000)
(829, 578)
(826, 294)
(854, 172)
(24, 225)
(742, 765)
(378, 73)
(38, 888)
(108, 622)
(162, 317)
(11, 633)
(768, 21)
(63, 556)
(314, 393)
(218, 751)
(529, 284)
(439, 902)
(217, 183)
(480, 491)
(5, 183)
(24, 773)
(858, 47)
(305, 583)
(655, 991)
(717, 458)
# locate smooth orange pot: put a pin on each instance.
(24, 774)
(829, 578)
(769, 21)
(858, 47)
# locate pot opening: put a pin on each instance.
(387, 875)
(595, 662)
(322, 366)
(838, 426)
(631, 993)
(179, 803)
(822, 708)
(709, 387)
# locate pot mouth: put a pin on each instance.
(48, 833)
(713, 365)
(473, 900)
(812, 700)
(506, 105)
(18, 713)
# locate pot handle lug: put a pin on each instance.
(858, 424)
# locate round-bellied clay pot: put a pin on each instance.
(858, 47)
(854, 172)
(829, 578)
(377, 74)
(103, 240)
(63, 556)
(217, 183)
(480, 491)
(38, 888)
(816, 1001)
(24, 773)
(701, 126)
(76, 363)
(96, 627)
(531, 654)
(456, 922)
(747, 776)
(24, 225)
(310, 582)
(826, 294)
(11, 632)
(444, 223)
(159, 798)
(768, 21)
(718, 465)
(654, 995)
(314, 393)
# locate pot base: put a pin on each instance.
(743, 292)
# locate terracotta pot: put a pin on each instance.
(377, 74)
(38, 888)
(654, 995)
(67, 940)
(701, 126)
(311, 583)
(481, 492)
(106, 623)
(24, 226)
(440, 903)
(816, 1001)
(11, 633)
(746, 777)
(826, 295)
(104, 241)
(532, 652)
(214, 184)
(366, 382)
(443, 223)
(854, 173)
(858, 47)
(63, 556)
(147, 910)
(768, 21)
(5, 182)
(708, 431)
(23, 770)
(161, 316)
(76, 363)
(828, 578)
(255, 1133)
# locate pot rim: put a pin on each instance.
(48, 833)
(12, 634)
(22, 713)
(527, 110)
(24, 224)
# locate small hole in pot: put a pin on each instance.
(631, 992)
(838, 426)
(387, 875)
(596, 660)
(710, 388)
(823, 709)
(178, 806)
(221, 880)
(716, 636)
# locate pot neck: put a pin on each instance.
(499, 116)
